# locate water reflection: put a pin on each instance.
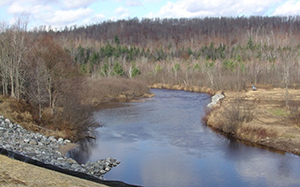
(162, 142)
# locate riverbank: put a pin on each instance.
(272, 125)
(185, 88)
(46, 150)
(266, 122)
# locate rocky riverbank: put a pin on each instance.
(45, 149)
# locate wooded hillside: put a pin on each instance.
(55, 70)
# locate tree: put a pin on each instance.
(117, 40)
(55, 64)
(133, 71)
(288, 58)
(36, 88)
(175, 69)
(14, 43)
(118, 69)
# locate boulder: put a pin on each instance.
(215, 99)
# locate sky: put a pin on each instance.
(61, 13)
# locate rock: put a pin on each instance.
(102, 171)
(67, 141)
(52, 139)
(215, 99)
(2, 130)
(60, 141)
(7, 121)
(26, 140)
(45, 149)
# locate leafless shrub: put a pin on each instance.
(80, 95)
(294, 108)
(239, 111)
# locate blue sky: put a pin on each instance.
(61, 13)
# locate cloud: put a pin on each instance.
(74, 4)
(64, 4)
(132, 3)
(5, 2)
(98, 18)
(45, 12)
(215, 8)
(122, 12)
(56, 13)
(68, 17)
(290, 7)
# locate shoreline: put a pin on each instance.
(267, 128)
(19, 142)
(205, 90)
(267, 131)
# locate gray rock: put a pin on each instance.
(45, 149)
(215, 99)
(7, 121)
(60, 141)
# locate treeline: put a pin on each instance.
(170, 33)
(221, 53)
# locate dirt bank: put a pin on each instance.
(270, 122)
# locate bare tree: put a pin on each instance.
(288, 59)
(14, 46)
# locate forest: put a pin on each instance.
(62, 73)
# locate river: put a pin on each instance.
(163, 142)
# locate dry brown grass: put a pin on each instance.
(16, 173)
(240, 110)
(95, 91)
(271, 124)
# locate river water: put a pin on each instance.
(163, 142)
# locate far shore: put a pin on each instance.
(271, 127)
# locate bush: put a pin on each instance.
(239, 111)
(294, 112)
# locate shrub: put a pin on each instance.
(294, 112)
(240, 110)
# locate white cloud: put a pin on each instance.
(98, 18)
(74, 4)
(55, 12)
(5, 2)
(290, 7)
(133, 3)
(66, 12)
(68, 17)
(122, 12)
(17, 8)
(206, 8)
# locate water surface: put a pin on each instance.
(163, 142)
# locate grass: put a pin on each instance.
(15, 173)
(280, 112)
(289, 136)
